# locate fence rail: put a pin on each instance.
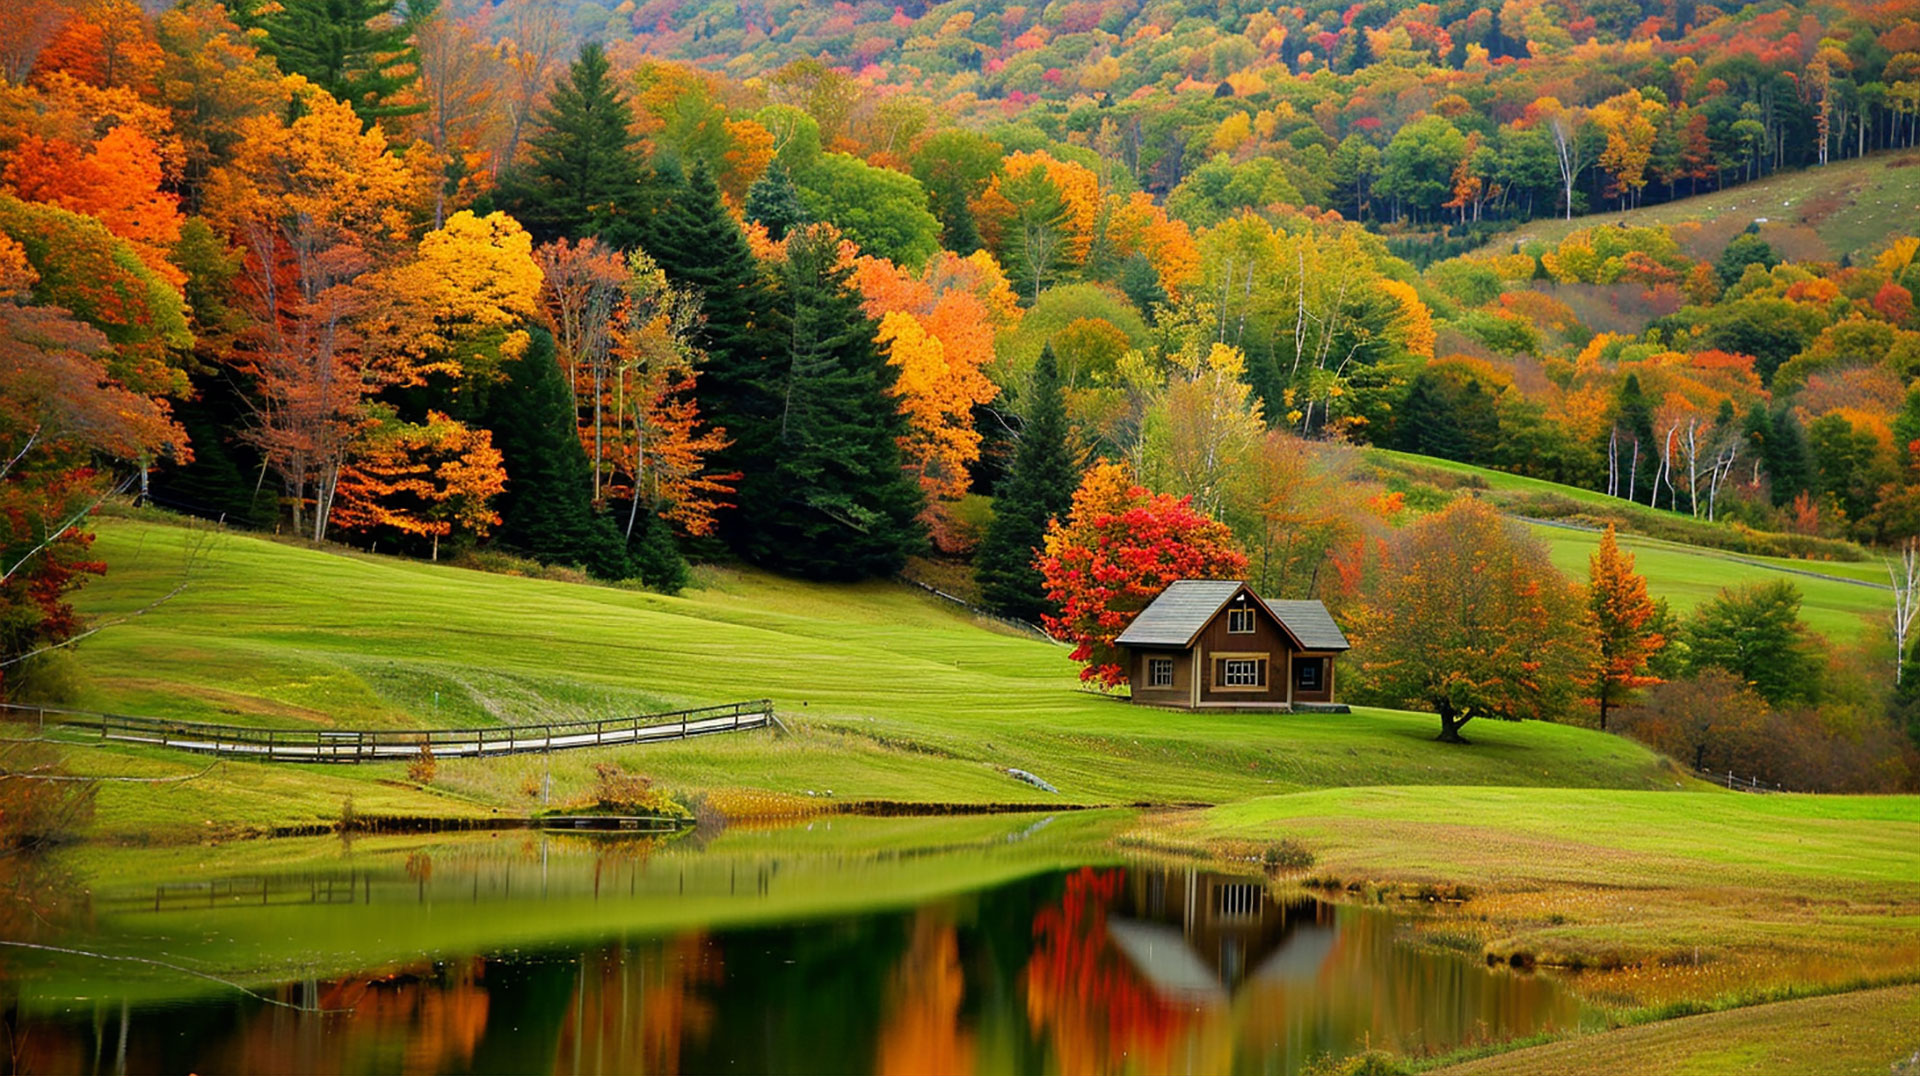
(344, 745)
(982, 611)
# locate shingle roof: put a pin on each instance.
(1310, 623)
(1181, 610)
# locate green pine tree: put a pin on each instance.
(583, 174)
(1038, 489)
(1636, 428)
(1140, 282)
(1428, 422)
(697, 243)
(546, 510)
(655, 557)
(774, 201)
(826, 497)
(356, 50)
(1785, 458)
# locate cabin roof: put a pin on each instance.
(1179, 612)
(1188, 605)
(1310, 623)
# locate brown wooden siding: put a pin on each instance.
(1266, 639)
(1180, 694)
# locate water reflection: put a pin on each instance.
(1091, 970)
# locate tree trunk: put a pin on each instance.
(1450, 725)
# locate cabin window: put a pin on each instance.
(1242, 672)
(1240, 621)
(1159, 672)
(1306, 674)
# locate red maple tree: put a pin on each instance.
(1119, 547)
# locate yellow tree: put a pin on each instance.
(1200, 426)
(1630, 123)
(937, 328)
(457, 308)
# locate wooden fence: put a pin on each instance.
(343, 745)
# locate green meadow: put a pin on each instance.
(1666, 902)
(887, 693)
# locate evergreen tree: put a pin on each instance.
(1785, 458)
(355, 50)
(583, 173)
(1428, 423)
(824, 495)
(1637, 443)
(546, 510)
(774, 201)
(1036, 491)
(1140, 282)
(654, 556)
(695, 240)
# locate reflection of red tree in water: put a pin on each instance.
(1083, 993)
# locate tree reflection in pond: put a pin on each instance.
(1093, 970)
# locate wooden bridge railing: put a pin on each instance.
(344, 745)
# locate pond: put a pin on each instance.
(986, 945)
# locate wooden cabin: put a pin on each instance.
(1207, 643)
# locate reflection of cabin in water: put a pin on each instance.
(1206, 643)
(1202, 936)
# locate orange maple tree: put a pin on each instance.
(937, 327)
(427, 479)
(1620, 612)
(117, 180)
(1469, 618)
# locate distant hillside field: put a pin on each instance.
(1811, 214)
(1845, 601)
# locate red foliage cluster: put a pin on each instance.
(1076, 977)
(1119, 548)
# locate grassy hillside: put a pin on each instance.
(1842, 607)
(1846, 601)
(891, 693)
(1811, 214)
